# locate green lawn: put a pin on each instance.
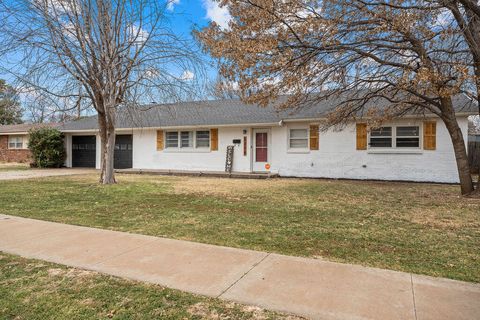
(421, 228)
(32, 289)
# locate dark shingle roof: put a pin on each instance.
(221, 112)
(24, 127)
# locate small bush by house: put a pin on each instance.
(47, 147)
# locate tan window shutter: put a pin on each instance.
(159, 140)
(314, 137)
(430, 135)
(214, 139)
(361, 136)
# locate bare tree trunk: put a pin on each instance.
(108, 176)
(106, 121)
(463, 167)
(102, 125)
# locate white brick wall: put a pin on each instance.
(337, 156)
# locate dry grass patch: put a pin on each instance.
(229, 187)
(442, 220)
(420, 228)
(13, 166)
(55, 292)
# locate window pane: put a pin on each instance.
(15, 142)
(261, 140)
(172, 140)
(298, 138)
(381, 142)
(408, 142)
(186, 140)
(299, 143)
(407, 131)
(203, 139)
(298, 133)
(261, 154)
(381, 132)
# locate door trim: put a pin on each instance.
(254, 152)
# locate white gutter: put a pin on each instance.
(430, 115)
(266, 124)
(13, 133)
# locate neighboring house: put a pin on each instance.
(474, 130)
(474, 137)
(474, 147)
(194, 136)
(14, 142)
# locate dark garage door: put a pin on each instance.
(123, 152)
(83, 151)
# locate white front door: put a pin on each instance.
(261, 152)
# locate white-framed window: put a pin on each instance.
(400, 137)
(407, 137)
(171, 139)
(202, 139)
(15, 142)
(187, 139)
(298, 138)
(381, 137)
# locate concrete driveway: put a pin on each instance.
(40, 173)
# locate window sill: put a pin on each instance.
(304, 151)
(395, 151)
(186, 150)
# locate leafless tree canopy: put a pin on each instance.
(108, 53)
(53, 45)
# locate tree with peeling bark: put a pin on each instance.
(107, 54)
(405, 56)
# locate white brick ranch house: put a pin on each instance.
(194, 136)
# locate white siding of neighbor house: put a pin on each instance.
(337, 156)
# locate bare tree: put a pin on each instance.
(120, 53)
(40, 107)
(399, 55)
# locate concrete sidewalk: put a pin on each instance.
(312, 288)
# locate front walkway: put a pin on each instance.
(41, 173)
(312, 288)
